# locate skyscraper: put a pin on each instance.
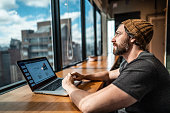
(38, 43)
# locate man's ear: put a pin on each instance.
(132, 40)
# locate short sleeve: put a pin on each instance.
(137, 78)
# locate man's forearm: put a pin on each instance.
(104, 76)
(114, 74)
(76, 95)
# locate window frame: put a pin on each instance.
(55, 9)
(97, 10)
(12, 86)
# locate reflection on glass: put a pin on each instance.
(25, 32)
(98, 17)
(70, 19)
(89, 18)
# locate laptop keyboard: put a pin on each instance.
(53, 86)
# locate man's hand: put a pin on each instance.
(77, 76)
(67, 82)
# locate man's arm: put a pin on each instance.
(107, 99)
(104, 75)
(114, 74)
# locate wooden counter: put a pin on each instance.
(23, 100)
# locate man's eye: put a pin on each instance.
(117, 34)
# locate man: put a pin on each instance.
(142, 83)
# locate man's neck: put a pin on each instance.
(132, 53)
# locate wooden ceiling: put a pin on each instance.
(105, 5)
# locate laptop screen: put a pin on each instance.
(36, 71)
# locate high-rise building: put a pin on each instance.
(38, 43)
(15, 44)
(15, 55)
(5, 77)
(9, 72)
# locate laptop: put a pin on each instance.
(41, 77)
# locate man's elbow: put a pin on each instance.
(87, 107)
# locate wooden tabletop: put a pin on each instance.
(24, 100)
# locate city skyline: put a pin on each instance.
(25, 22)
(19, 15)
(9, 72)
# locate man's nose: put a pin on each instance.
(113, 39)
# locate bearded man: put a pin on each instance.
(141, 84)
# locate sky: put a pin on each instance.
(18, 15)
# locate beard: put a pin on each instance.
(122, 48)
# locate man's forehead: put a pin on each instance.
(121, 28)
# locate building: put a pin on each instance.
(15, 55)
(5, 76)
(9, 72)
(37, 43)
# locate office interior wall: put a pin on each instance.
(146, 7)
(158, 38)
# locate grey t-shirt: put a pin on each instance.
(147, 80)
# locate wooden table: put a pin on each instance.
(23, 100)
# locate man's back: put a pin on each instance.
(147, 80)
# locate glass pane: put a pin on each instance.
(25, 32)
(98, 16)
(89, 18)
(70, 18)
(110, 35)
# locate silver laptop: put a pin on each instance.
(41, 77)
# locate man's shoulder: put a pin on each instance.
(147, 61)
(144, 59)
(145, 54)
(148, 58)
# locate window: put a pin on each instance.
(70, 19)
(110, 35)
(98, 30)
(89, 17)
(25, 32)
